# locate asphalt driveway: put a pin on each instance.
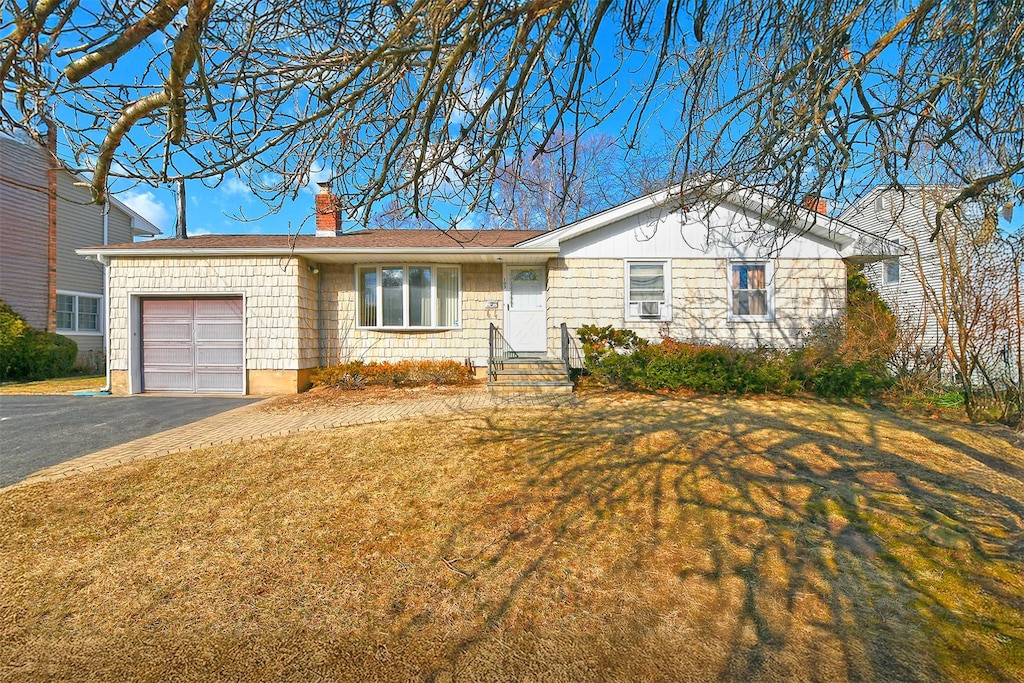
(40, 431)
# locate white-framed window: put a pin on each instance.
(648, 290)
(751, 293)
(408, 296)
(79, 313)
(891, 269)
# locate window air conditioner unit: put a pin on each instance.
(650, 309)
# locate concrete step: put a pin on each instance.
(530, 375)
(531, 364)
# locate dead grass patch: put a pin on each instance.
(62, 385)
(635, 538)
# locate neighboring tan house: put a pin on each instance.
(257, 313)
(72, 303)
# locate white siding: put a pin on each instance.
(903, 217)
(727, 232)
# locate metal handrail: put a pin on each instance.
(572, 356)
(498, 351)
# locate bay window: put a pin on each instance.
(408, 297)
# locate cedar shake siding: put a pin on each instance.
(345, 341)
(279, 310)
(592, 292)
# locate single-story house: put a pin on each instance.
(257, 313)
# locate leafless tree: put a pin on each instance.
(574, 179)
(970, 278)
(415, 99)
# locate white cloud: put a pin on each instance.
(145, 203)
(319, 172)
(234, 187)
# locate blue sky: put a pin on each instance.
(232, 208)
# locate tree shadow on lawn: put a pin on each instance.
(751, 540)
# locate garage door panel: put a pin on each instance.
(164, 308)
(218, 331)
(218, 308)
(166, 330)
(193, 345)
(168, 380)
(214, 356)
(209, 381)
(180, 356)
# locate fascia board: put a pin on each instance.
(278, 251)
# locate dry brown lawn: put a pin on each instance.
(633, 538)
(62, 385)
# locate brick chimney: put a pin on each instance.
(328, 214)
(815, 203)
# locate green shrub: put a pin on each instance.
(13, 329)
(847, 357)
(358, 374)
(28, 354)
(837, 379)
(619, 358)
(850, 356)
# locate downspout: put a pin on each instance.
(320, 332)
(105, 264)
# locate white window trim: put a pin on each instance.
(100, 308)
(885, 268)
(406, 327)
(769, 283)
(666, 305)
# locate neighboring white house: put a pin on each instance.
(56, 289)
(257, 313)
(959, 272)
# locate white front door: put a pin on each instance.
(526, 309)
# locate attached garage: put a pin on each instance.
(193, 345)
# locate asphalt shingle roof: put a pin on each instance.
(363, 239)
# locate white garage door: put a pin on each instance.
(192, 345)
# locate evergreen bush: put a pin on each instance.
(30, 354)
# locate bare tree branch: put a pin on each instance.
(421, 101)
